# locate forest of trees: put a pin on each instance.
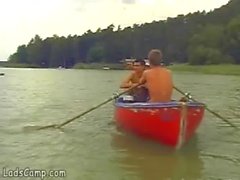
(195, 38)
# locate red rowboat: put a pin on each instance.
(172, 123)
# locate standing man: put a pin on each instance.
(157, 79)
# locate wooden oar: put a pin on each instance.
(209, 110)
(59, 126)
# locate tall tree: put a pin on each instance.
(198, 38)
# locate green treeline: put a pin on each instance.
(196, 38)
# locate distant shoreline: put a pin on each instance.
(17, 65)
(222, 69)
(105, 66)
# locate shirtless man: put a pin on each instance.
(157, 79)
(140, 94)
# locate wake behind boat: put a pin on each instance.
(172, 124)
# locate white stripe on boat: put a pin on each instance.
(183, 125)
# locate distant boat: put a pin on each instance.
(2, 74)
(106, 68)
(60, 67)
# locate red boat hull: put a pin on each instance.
(172, 123)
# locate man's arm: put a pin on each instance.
(127, 82)
(143, 78)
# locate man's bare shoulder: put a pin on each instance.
(147, 71)
(168, 70)
(131, 74)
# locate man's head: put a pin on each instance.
(139, 65)
(155, 57)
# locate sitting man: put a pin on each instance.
(140, 94)
(157, 79)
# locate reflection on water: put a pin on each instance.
(148, 160)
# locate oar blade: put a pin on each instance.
(35, 128)
(31, 128)
(60, 126)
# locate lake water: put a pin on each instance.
(91, 148)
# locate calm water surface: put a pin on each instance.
(91, 147)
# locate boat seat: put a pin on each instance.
(128, 99)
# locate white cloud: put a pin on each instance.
(21, 19)
(128, 1)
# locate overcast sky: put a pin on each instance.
(21, 20)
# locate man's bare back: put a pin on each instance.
(159, 84)
(158, 79)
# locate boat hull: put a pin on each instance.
(172, 123)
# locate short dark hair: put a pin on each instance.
(155, 57)
(141, 61)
